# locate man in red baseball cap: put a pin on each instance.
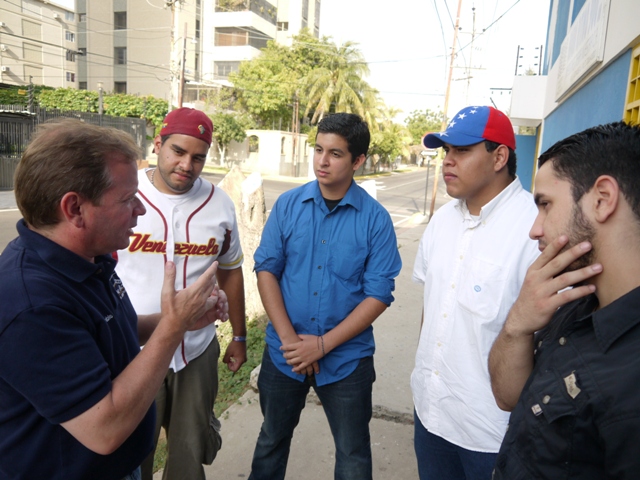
(471, 260)
(192, 223)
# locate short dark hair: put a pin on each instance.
(511, 162)
(67, 156)
(352, 128)
(612, 149)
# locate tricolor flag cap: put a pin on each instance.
(473, 125)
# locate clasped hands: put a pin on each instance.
(303, 353)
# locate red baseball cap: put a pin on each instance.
(188, 121)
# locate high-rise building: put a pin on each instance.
(142, 46)
(38, 43)
(146, 47)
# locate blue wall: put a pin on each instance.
(526, 156)
(602, 100)
(562, 21)
(577, 6)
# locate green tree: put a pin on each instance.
(420, 122)
(337, 85)
(388, 143)
(325, 78)
(227, 127)
(265, 86)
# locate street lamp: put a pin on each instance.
(100, 104)
(427, 155)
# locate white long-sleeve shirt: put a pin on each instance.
(472, 269)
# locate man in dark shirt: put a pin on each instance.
(76, 392)
(573, 386)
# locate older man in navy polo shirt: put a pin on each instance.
(76, 393)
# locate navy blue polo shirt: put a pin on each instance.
(579, 413)
(67, 329)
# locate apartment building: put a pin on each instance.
(142, 46)
(146, 46)
(38, 43)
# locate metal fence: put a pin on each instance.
(17, 126)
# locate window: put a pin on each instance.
(71, 56)
(33, 73)
(283, 26)
(32, 53)
(223, 69)
(69, 16)
(197, 60)
(120, 55)
(119, 20)
(197, 28)
(71, 77)
(31, 30)
(254, 144)
(82, 51)
(82, 17)
(305, 13)
(231, 37)
(30, 7)
(120, 87)
(632, 107)
(316, 14)
(69, 36)
(82, 85)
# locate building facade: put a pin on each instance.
(146, 48)
(142, 47)
(38, 44)
(591, 74)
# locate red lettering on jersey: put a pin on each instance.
(142, 243)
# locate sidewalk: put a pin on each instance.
(7, 200)
(312, 450)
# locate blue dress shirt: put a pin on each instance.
(327, 263)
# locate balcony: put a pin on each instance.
(262, 8)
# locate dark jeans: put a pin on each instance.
(346, 403)
(439, 459)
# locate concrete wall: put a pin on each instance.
(274, 155)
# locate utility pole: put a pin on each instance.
(172, 4)
(182, 67)
(446, 107)
(473, 36)
(30, 94)
(294, 130)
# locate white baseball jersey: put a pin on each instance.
(192, 230)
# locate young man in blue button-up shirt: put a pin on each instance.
(326, 266)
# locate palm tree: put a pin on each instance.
(338, 85)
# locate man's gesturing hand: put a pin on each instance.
(545, 287)
(188, 306)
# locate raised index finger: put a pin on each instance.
(208, 277)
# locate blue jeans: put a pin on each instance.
(346, 403)
(439, 459)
